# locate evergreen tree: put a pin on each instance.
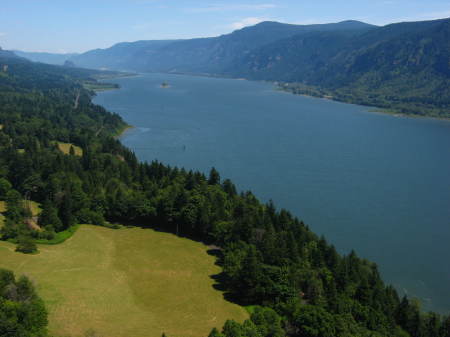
(445, 328)
(49, 216)
(26, 245)
(214, 177)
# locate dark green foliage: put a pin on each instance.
(264, 322)
(5, 187)
(22, 312)
(49, 217)
(312, 321)
(214, 177)
(26, 245)
(445, 328)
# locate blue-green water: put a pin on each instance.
(372, 182)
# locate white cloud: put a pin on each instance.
(223, 8)
(2, 34)
(247, 22)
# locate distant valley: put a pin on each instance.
(401, 68)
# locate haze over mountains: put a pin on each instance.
(403, 67)
(206, 55)
(49, 58)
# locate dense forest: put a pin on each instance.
(293, 282)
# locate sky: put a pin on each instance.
(62, 26)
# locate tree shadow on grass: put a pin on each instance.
(220, 279)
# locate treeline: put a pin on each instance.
(298, 282)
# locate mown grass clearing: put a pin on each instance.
(127, 282)
(65, 148)
(2, 210)
(34, 207)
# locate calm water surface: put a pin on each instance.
(372, 182)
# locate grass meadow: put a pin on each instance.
(127, 282)
(65, 148)
(2, 209)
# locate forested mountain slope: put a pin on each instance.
(204, 55)
(404, 67)
(122, 56)
(50, 58)
(298, 282)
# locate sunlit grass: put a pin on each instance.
(65, 148)
(127, 282)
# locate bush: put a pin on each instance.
(26, 245)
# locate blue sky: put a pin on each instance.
(80, 25)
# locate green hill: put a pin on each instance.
(50, 58)
(402, 67)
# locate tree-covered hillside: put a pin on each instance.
(403, 67)
(294, 281)
(50, 58)
(205, 55)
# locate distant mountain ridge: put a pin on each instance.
(7, 53)
(50, 58)
(202, 55)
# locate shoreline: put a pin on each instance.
(278, 87)
(124, 130)
(373, 109)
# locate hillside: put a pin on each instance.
(162, 284)
(50, 58)
(205, 55)
(122, 56)
(403, 67)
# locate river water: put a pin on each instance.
(368, 181)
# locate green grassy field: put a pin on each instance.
(128, 282)
(65, 148)
(2, 209)
(34, 207)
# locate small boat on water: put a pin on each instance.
(165, 85)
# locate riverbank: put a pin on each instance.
(123, 130)
(99, 84)
(309, 91)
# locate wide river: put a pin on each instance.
(368, 181)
